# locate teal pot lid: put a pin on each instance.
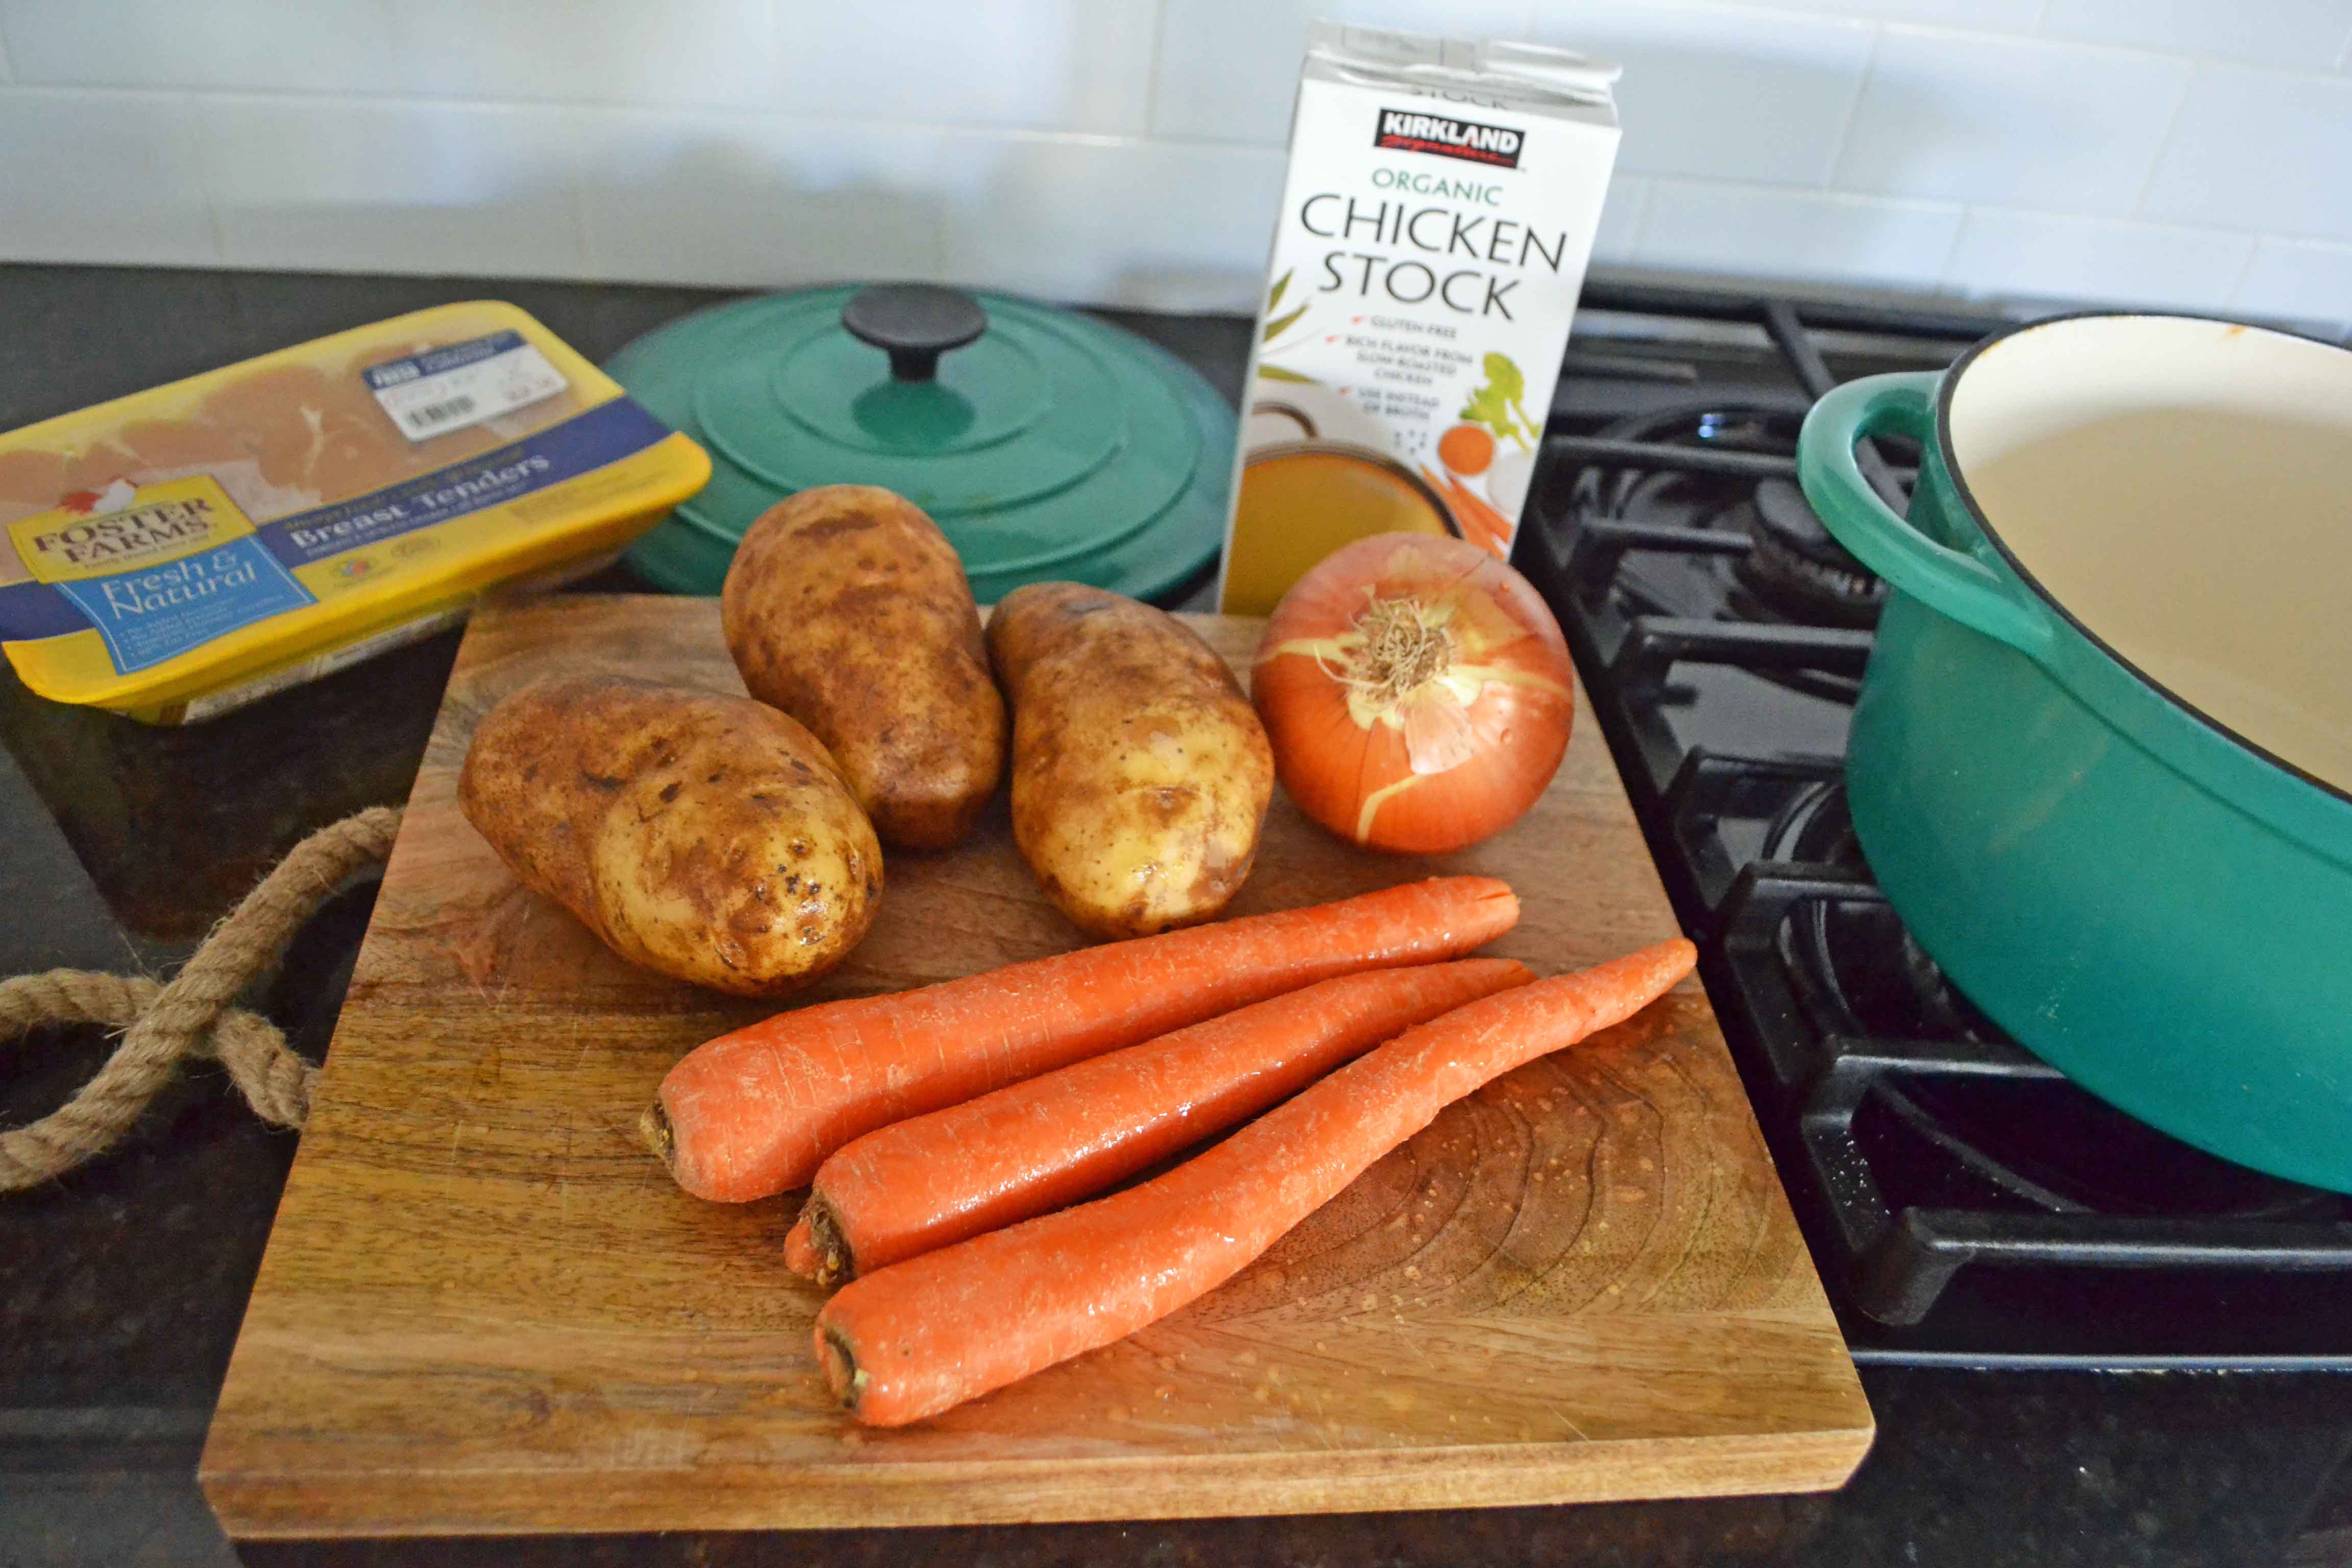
(1049, 446)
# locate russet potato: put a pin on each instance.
(1140, 774)
(848, 608)
(707, 837)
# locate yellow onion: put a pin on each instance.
(1417, 691)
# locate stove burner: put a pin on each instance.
(1792, 572)
(1839, 952)
(1796, 567)
(2040, 1144)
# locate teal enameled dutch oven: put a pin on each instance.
(2102, 761)
(1046, 443)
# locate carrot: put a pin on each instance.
(919, 1337)
(754, 1112)
(922, 1183)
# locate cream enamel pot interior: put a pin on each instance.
(2183, 490)
(2102, 761)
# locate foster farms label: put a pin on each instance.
(158, 569)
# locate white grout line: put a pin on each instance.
(2343, 60)
(1805, 13)
(1152, 76)
(1641, 205)
(2253, 244)
(968, 129)
(577, 191)
(2164, 142)
(1943, 279)
(2313, 242)
(524, 108)
(2330, 76)
(519, 106)
(2110, 220)
(2121, 51)
(201, 141)
(1814, 193)
(1853, 106)
(2245, 270)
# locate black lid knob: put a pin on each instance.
(915, 323)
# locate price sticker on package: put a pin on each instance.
(445, 389)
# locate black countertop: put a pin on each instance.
(121, 1285)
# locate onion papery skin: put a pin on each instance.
(1417, 691)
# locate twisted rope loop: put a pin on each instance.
(191, 1016)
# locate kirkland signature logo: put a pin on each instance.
(1417, 132)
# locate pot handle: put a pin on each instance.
(1956, 584)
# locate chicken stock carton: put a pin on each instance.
(1436, 220)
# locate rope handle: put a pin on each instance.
(191, 1016)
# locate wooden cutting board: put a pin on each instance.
(484, 1307)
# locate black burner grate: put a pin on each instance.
(1965, 1199)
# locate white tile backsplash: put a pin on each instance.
(1621, 220)
(115, 178)
(1064, 65)
(2298, 280)
(400, 187)
(1081, 65)
(2261, 150)
(2049, 256)
(2302, 35)
(1985, 16)
(690, 51)
(2012, 122)
(757, 201)
(774, 201)
(319, 45)
(1161, 227)
(1222, 74)
(1694, 73)
(1229, 68)
(2191, 152)
(1795, 235)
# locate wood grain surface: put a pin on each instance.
(484, 1307)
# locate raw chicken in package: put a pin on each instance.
(1435, 224)
(182, 550)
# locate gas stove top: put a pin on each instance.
(1965, 1202)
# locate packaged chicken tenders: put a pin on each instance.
(180, 552)
(1435, 224)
